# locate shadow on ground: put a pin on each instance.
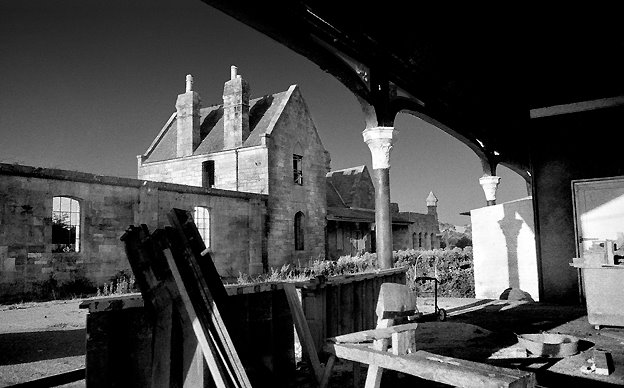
(19, 348)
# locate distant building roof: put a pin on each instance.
(263, 113)
(350, 187)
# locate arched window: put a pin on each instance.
(414, 241)
(299, 226)
(420, 240)
(65, 224)
(432, 240)
(201, 216)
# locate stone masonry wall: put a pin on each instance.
(250, 162)
(286, 197)
(108, 206)
(403, 236)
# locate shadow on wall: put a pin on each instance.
(505, 254)
(511, 226)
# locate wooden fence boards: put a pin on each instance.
(344, 304)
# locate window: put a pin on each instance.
(208, 173)
(432, 240)
(201, 216)
(419, 240)
(298, 169)
(414, 241)
(65, 224)
(299, 225)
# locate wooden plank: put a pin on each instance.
(429, 366)
(161, 348)
(156, 272)
(189, 236)
(206, 341)
(305, 337)
(404, 342)
(374, 373)
(210, 293)
(373, 334)
(346, 309)
(329, 365)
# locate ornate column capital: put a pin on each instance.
(489, 183)
(379, 141)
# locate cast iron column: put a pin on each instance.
(489, 183)
(379, 141)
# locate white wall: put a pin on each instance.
(503, 238)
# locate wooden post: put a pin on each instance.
(307, 342)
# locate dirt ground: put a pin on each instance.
(42, 339)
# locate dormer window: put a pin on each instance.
(298, 169)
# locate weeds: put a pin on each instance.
(120, 283)
(452, 267)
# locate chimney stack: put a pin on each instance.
(187, 119)
(235, 110)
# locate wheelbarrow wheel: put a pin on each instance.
(441, 315)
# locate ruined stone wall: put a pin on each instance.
(108, 206)
(295, 132)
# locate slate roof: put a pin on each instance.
(342, 197)
(345, 184)
(263, 113)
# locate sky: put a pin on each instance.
(87, 85)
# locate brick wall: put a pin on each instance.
(108, 206)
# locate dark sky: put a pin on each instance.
(87, 85)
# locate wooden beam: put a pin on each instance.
(204, 315)
(303, 331)
(161, 347)
(429, 366)
(373, 334)
(374, 373)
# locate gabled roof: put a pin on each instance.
(263, 114)
(345, 184)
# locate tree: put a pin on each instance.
(451, 238)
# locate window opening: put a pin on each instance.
(298, 169)
(201, 216)
(65, 225)
(208, 176)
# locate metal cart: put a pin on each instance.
(438, 312)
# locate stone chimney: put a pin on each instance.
(432, 205)
(235, 110)
(187, 106)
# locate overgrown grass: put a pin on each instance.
(452, 267)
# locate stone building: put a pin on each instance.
(351, 217)
(267, 145)
(92, 212)
(254, 173)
